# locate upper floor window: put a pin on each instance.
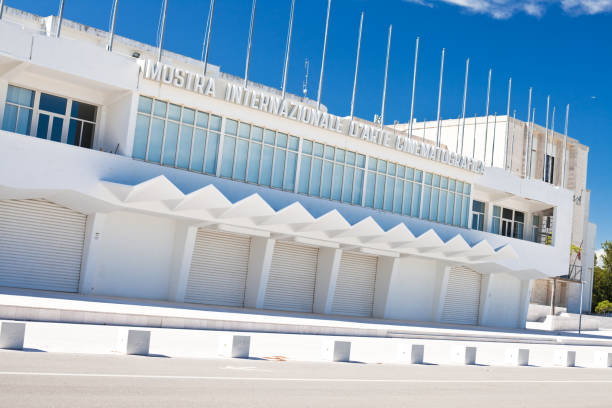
(446, 200)
(393, 187)
(509, 223)
(18, 110)
(176, 136)
(331, 172)
(478, 212)
(549, 169)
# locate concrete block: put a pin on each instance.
(564, 358)
(334, 350)
(603, 359)
(410, 353)
(517, 356)
(234, 346)
(134, 342)
(463, 355)
(12, 335)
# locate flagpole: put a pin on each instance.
(552, 138)
(211, 12)
(1, 8)
(111, 38)
(288, 49)
(414, 75)
(507, 124)
(527, 134)
(546, 138)
(356, 66)
(465, 85)
(493, 144)
(487, 115)
(512, 145)
(567, 109)
(61, 18)
(384, 97)
(531, 141)
(250, 44)
(440, 98)
(324, 54)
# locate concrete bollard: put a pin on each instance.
(410, 353)
(517, 357)
(12, 335)
(232, 346)
(564, 358)
(603, 359)
(334, 350)
(463, 355)
(134, 342)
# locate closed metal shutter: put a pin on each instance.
(462, 300)
(354, 293)
(292, 277)
(41, 245)
(218, 268)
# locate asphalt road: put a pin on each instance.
(38, 379)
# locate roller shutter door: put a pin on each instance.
(292, 277)
(41, 245)
(218, 268)
(462, 300)
(354, 293)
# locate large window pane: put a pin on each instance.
(188, 116)
(407, 201)
(254, 160)
(202, 119)
(155, 140)
(266, 165)
(199, 146)
(290, 166)
(20, 96)
(457, 214)
(74, 132)
(242, 152)
(170, 142)
(435, 197)
(347, 184)
(326, 181)
(315, 179)
(465, 211)
(52, 103)
(398, 196)
(174, 112)
(231, 127)
(87, 135)
(184, 152)
(426, 202)
(337, 182)
(159, 109)
(389, 192)
(145, 105)
(358, 186)
(379, 193)
(10, 118)
(370, 189)
(56, 129)
(450, 205)
(227, 157)
(212, 153)
(279, 168)
(215, 123)
(24, 121)
(416, 200)
(83, 111)
(304, 175)
(442, 209)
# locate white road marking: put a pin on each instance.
(287, 379)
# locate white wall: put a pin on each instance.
(136, 256)
(504, 302)
(412, 290)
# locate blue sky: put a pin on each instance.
(560, 47)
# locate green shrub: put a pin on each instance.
(605, 306)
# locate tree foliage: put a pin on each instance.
(602, 277)
(605, 306)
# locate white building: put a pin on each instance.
(123, 177)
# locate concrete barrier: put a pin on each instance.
(334, 350)
(603, 359)
(410, 353)
(12, 335)
(564, 358)
(463, 355)
(233, 346)
(134, 342)
(517, 356)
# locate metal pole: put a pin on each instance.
(493, 144)
(288, 49)
(356, 66)
(163, 29)
(465, 85)
(581, 292)
(546, 139)
(324, 53)
(565, 146)
(549, 166)
(109, 46)
(1, 8)
(487, 115)
(414, 75)
(512, 145)
(250, 44)
(61, 18)
(440, 98)
(507, 124)
(527, 134)
(474, 145)
(552, 300)
(531, 140)
(384, 97)
(211, 12)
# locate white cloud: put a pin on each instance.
(599, 254)
(503, 9)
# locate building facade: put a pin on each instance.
(124, 176)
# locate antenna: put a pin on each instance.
(305, 83)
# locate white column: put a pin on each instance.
(3, 91)
(328, 265)
(488, 217)
(184, 243)
(92, 248)
(442, 276)
(526, 286)
(387, 267)
(485, 299)
(260, 260)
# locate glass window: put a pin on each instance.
(174, 112)
(20, 96)
(159, 108)
(212, 150)
(227, 157)
(84, 111)
(170, 142)
(52, 103)
(188, 116)
(240, 162)
(231, 127)
(478, 212)
(215, 123)
(141, 136)
(257, 134)
(281, 140)
(254, 161)
(269, 136)
(202, 119)
(199, 147)
(184, 153)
